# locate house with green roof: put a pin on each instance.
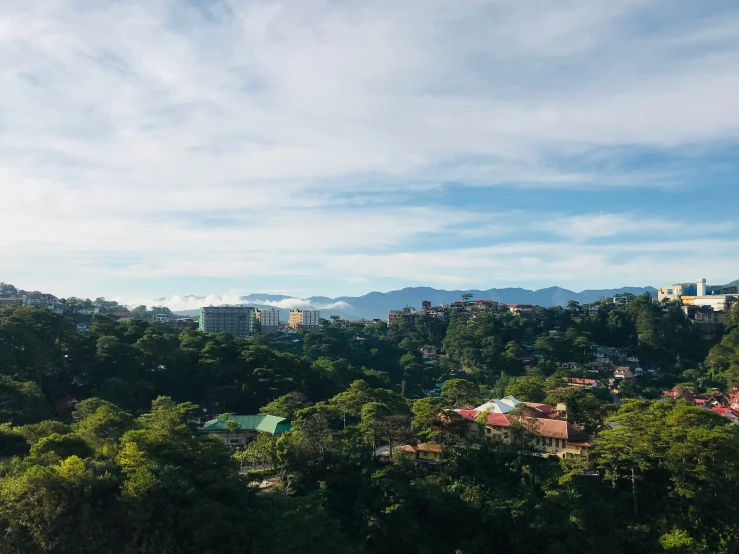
(238, 430)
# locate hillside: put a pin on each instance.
(376, 305)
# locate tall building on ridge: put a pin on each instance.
(305, 320)
(240, 321)
(269, 320)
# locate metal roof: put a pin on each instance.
(261, 422)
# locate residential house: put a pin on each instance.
(729, 413)
(582, 383)
(245, 427)
(120, 316)
(522, 309)
(623, 372)
(429, 351)
(679, 392)
(622, 300)
(429, 453)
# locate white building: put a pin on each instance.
(161, 318)
(269, 319)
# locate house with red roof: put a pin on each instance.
(552, 437)
(578, 382)
(729, 413)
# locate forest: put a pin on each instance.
(125, 470)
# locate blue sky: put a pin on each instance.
(165, 148)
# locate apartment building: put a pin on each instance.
(240, 321)
(269, 320)
(397, 317)
(305, 320)
(10, 301)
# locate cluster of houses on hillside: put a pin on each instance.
(472, 307)
(506, 421)
(726, 405)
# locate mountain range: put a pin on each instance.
(376, 305)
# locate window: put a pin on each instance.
(550, 441)
(233, 441)
(488, 430)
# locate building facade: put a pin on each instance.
(305, 320)
(240, 321)
(397, 317)
(269, 320)
(240, 430)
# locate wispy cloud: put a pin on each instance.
(276, 142)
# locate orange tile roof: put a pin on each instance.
(429, 447)
(578, 381)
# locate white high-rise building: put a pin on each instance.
(269, 320)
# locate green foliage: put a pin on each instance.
(527, 389)
(126, 474)
(285, 406)
(461, 392)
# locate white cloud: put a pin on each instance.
(251, 139)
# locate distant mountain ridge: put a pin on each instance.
(376, 305)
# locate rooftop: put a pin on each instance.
(261, 422)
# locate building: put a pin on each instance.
(183, 323)
(622, 300)
(551, 437)
(305, 320)
(429, 351)
(426, 452)
(578, 382)
(161, 318)
(623, 372)
(240, 321)
(239, 430)
(686, 293)
(10, 301)
(408, 315)
(499, 405)
(269, 320)
(522, 309)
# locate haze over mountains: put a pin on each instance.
(376, 305)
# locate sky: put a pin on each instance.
(161, 148)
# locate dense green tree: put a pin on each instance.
(527, 389)
(286, 405)
(461, 392)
